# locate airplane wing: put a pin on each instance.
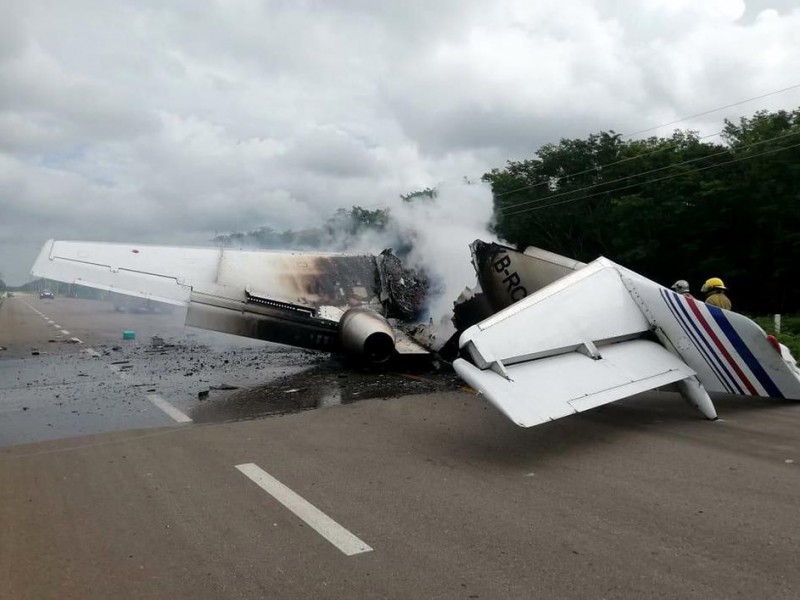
(171, 274)
(543, 390)
(574, 345)
(294, 298)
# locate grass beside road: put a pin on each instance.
(790, 331)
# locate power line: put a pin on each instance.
(641, 173)
(383, 205)
(713, 110)
(722, 164)
(605, 166)
(707, 112)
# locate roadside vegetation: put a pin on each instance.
(790, 331)
(681, 207)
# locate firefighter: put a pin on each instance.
(681, 287)
(715, 290)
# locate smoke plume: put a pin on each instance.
(437, 231)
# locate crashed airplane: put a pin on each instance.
(542, 337)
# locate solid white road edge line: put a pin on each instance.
(313, 517)
(168, 408)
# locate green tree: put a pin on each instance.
(670, 208)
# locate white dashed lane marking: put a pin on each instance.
(168, 408)
(157, 400)
(337, 535)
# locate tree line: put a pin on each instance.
(679, 207)
(338, 232)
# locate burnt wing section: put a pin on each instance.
(341, 281)
(404, 290)
(264, 321)
(333, 303)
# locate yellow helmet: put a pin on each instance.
(715, 283)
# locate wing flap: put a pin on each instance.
(557, 386)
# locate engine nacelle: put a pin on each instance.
(366, 335)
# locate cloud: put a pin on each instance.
(165, 123)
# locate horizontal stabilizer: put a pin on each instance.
(549, 388)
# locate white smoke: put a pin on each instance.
(439, 231)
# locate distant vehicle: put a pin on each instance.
(46, 294)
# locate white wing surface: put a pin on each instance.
(550, 388)
(159, 273)
(172, 274)
(574, 345)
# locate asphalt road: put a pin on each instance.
(642, 498)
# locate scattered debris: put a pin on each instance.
(128, 335)
(789, 461)
(157, 341)
(404, 290)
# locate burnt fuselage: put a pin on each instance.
(507, 275)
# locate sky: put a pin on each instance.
(168, 122)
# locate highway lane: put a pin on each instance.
(638, 499)
(89, 380)
(52, 386)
